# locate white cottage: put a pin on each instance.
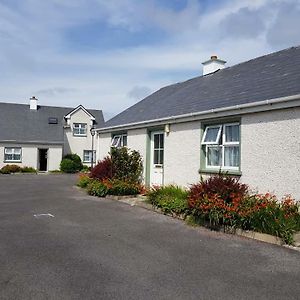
(244, 120)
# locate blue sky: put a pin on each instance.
(109, 54)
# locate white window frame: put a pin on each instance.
(80, 127)
(159, 149)
(216, 142)
(120, 141)
(222, 145)
(13, 153)
(224, 134)
(90, 157)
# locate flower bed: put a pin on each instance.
(118, 174)
(222, 202)
(10, 169)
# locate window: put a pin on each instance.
(12, 154)
(221, 145)
(158, 158)
(79, 129)
(119, 141)
(87, 156)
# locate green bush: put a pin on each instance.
(127, 165)
(8, 169)
(71, 163)
(170, 199)
(85, 169)
(28, 170)
(122, 188)
(97, 188)
(83, 180)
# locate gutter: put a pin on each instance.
(258, 106)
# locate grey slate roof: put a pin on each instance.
(19, 123)
(267, 77)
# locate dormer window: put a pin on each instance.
(79, 129)
(52, 120)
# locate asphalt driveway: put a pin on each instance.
(102, 249)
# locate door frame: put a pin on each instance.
(39, 159)
(151, 154)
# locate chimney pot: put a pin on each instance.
(33, 103)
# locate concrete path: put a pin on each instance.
(58, 243)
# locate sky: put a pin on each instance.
(109, 54)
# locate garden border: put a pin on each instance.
(140, 201)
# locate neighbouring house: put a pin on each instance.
(244, 120)
(38, 136)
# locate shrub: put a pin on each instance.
(71, 163)
(8, 169)
(28, 170)
(127, 165)
(103, 170)
(264, 213)
(97, 188)
(171, 199)
(85, 169)
(122, 188)
(216, 199)
(83, 180)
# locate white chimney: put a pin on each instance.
(33, 103)
(213, 64)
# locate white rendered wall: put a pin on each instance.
(54, 157)
(182, 154)
(137, 140)
(270, 151)
(104, 142)
(30, 155)
(77, 144)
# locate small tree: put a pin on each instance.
(71, 163)
(127, 164)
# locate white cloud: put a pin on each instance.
(34, 59)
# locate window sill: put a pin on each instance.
(80, 135)
(217, 171)
(12, 161)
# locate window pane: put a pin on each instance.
(214, 156)
(156, 157)
(124, 137)
(17, 150)
(211, 135)
(115, 141)
(156, 141)
(231, 156)
(161, 141)
(232, 133)
(8, 150)
(161, 157)
(86, 156)
(16, 157)
(8, 157)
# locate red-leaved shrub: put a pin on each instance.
(103, 170)
(217, 198)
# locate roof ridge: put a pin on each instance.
(66, 107)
